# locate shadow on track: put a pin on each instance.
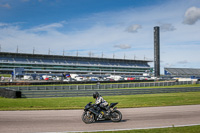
(109, 121)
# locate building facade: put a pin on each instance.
(40, 63)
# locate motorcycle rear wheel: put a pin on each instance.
(116, 116)
(87, 118)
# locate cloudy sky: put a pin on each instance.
(108, 28)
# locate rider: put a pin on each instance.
(100, 101)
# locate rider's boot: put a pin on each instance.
(99, 116)
(108, 110)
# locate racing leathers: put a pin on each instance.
(101, 102)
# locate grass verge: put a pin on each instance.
(186, 129)
(5, 75)
(125, 101)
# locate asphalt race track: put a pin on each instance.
(70, 120)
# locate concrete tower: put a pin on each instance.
(156, 51)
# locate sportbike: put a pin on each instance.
(93, 112)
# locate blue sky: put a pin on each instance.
(112, 28)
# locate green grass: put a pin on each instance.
(186, 129)
(125, 101)
(5, 75)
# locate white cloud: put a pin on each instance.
(192, 15)
(133, 28)
(123, 46)
(49, 27)
(167, 27)
(3, 24)
(183, 62)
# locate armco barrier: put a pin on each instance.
(106, 92)
(62, 82)
(99, 86)
(106, 89)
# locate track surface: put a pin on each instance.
(70, 120)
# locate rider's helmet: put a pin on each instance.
(95, 94)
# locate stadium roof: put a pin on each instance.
(27, 55)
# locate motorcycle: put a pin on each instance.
(92, 112)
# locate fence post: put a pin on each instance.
(77, 87)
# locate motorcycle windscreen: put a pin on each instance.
(113, 104)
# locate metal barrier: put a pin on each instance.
(108, 92)
(99, 86)
(105, 89)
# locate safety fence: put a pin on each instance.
(109, 92)
(104, 89)
(98, 86)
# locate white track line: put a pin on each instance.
(125, 129)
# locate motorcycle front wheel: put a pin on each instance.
(88, 117)
(116, 116)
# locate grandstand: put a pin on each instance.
(182, 71)
(40, 63)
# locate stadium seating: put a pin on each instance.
(74, 62)
(54, 63)
(183, 71)
(59, 61)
